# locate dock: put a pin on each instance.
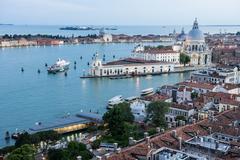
(69, 123)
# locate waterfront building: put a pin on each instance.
(5, 44)
(167, 38)
(193, 44)
(23, 42)
(107, 37)
(128, 66)
(165, 54)
(104, 37)
(217, 75)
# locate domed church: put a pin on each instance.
(195, 46)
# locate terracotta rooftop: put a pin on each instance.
(129, 61)
(156, 97)
(200, 85)
(201, 128)
(230, 86)
(219, 95)
(181, 89)
(182, 106)
(158, 51)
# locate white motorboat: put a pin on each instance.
(60, 66)
(147, 91)
(114, 101)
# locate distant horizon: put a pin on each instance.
(12, 24)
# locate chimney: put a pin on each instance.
(235, 123)
(107, 155)
(115, 146)
(194, 120)
(174, 133)
(221, 128)
(210, 130)
(180, 143)
(237, 130)
(174, 124)
(119, 150)
(131, 141)
(147, 140)
(169, 125)
(145, 134)
(197, 133)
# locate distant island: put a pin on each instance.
(85, 28)
(3, 24)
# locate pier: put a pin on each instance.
(69, 123)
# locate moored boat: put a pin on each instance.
(114, 101)
(147, 91)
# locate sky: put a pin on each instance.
(119, 12)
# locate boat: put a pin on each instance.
(7, 136)
(16, 135)
(60, 66)
(83, 28)
(114, 101)
(147, 91)
(120, 77)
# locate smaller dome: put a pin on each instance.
(182, 36)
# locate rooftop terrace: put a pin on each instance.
(208, 142)
(171, 154)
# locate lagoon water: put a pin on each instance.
(29, 97)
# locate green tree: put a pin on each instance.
(86, 155)
(58, 154)
(156, 113)
(23, 139)
(36, 138)
(194, 95)
(95, 144)
(184, 59)
(25, 152)
(6, 150)
(74, 148)
(116, 117)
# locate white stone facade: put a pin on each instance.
(116, 68)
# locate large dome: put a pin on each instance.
(195, 34)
